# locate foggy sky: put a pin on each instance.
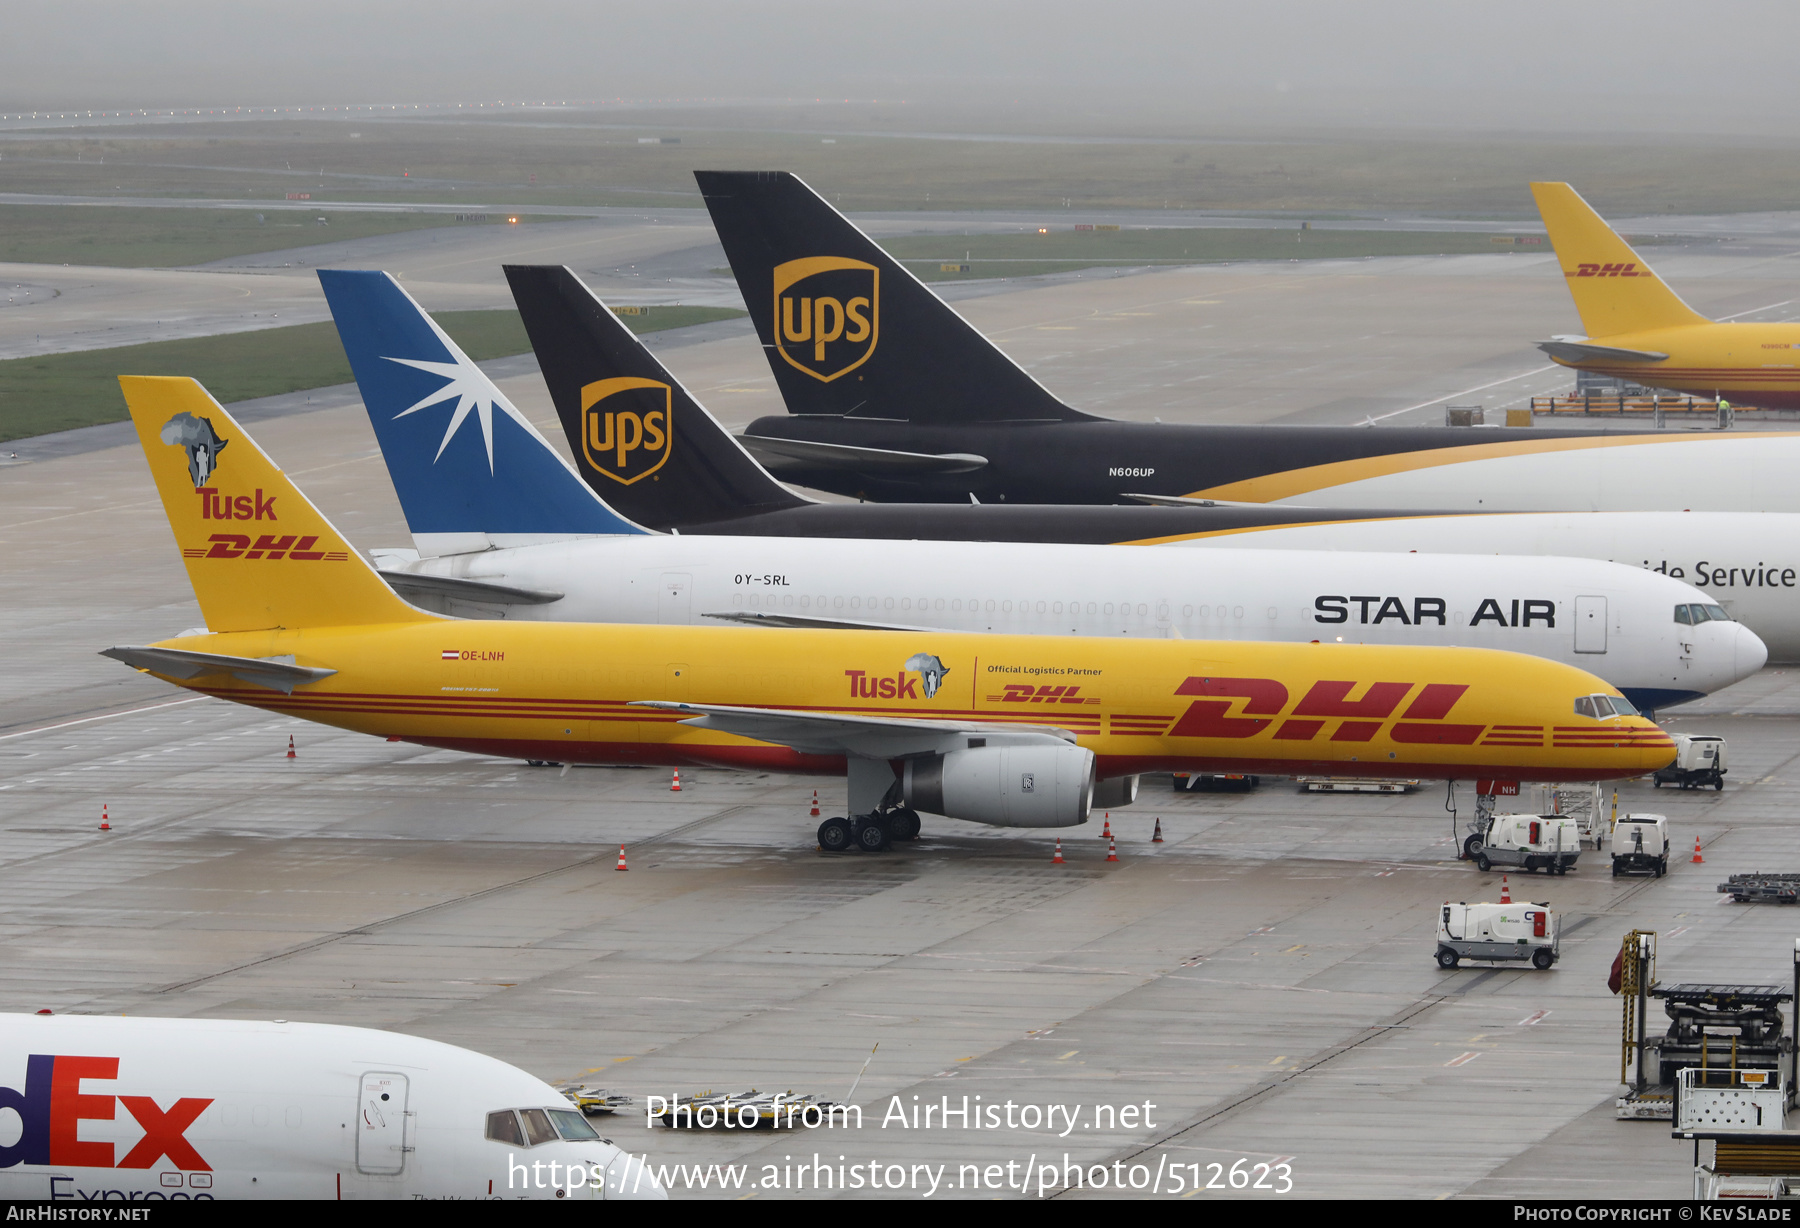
(1606, 65)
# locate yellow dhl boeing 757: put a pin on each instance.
(1012, 730)
(1639, 330)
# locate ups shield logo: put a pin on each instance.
(626, 431)
(827, 313)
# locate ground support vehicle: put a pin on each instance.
(1353, 784)
(1528, 842)
(1215, 782)
(1641, 845)
(1699, 761)
(1515, 933)
(1772, 888)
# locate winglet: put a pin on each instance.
(470, 469)
(258, 553)
(1615, 291)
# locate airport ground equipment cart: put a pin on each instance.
(1699, 761)
(1738, 1028)
(594, 1101)
(1353, 784)
(1215, 782)
(1529, 842)
(1641, 845)
(1515, 933)
(1773, 888)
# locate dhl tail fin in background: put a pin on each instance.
(258, 554)
(1615, 291)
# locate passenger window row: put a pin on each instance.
(992, 605)
(529, 1127)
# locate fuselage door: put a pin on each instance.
(381, 1124)
(1590, 624)
(673, 599)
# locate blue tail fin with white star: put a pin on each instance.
(470, 469)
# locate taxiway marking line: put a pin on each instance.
(173, 703)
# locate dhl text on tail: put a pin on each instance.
(1011, 730)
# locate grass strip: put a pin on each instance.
(58, 392)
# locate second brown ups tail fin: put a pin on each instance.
(646, 446)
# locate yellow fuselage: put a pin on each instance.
(1754, 364)
(560, 691)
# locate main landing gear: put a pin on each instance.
(871, 833)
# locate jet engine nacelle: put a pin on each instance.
(1037, 783)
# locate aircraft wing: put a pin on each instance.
(777, 452)
(276, 673)
(1569, 350)
(836, 733)
(457, 588)
(803, 621)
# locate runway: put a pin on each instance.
(1263, 978)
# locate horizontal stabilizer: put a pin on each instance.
(866, 737)
(276, 673)
(456, 588)
(778, 454)
(1586, 351)
(805, 622)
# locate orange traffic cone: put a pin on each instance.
(815, 809)
(1157, 838)
(621, 865)
(1058, 859)
(290, 746)
(1112, 851)
(104, 825)
(675, 784)
(1106, 834)
(1505, 890)
(1698, 859)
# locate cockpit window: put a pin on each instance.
(572, 1126)
(1622, 706)
(503, 1127)
(537, 1127)
(1602, 706)
(1694, 615)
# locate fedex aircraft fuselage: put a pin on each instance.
(145, 1110)
(1615, 621)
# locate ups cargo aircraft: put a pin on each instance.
(197, 1110)
(462, 488)
(1001, 729)
(1638, 329)
(893, 396)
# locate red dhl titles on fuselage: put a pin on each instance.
(563, 693)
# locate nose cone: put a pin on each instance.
(1748, 652)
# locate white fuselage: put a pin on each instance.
(1701, 471)
(1747, 562)
(1629, 635)
(110, 1108)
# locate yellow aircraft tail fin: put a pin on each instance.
(1615, 291)
(258, 553)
